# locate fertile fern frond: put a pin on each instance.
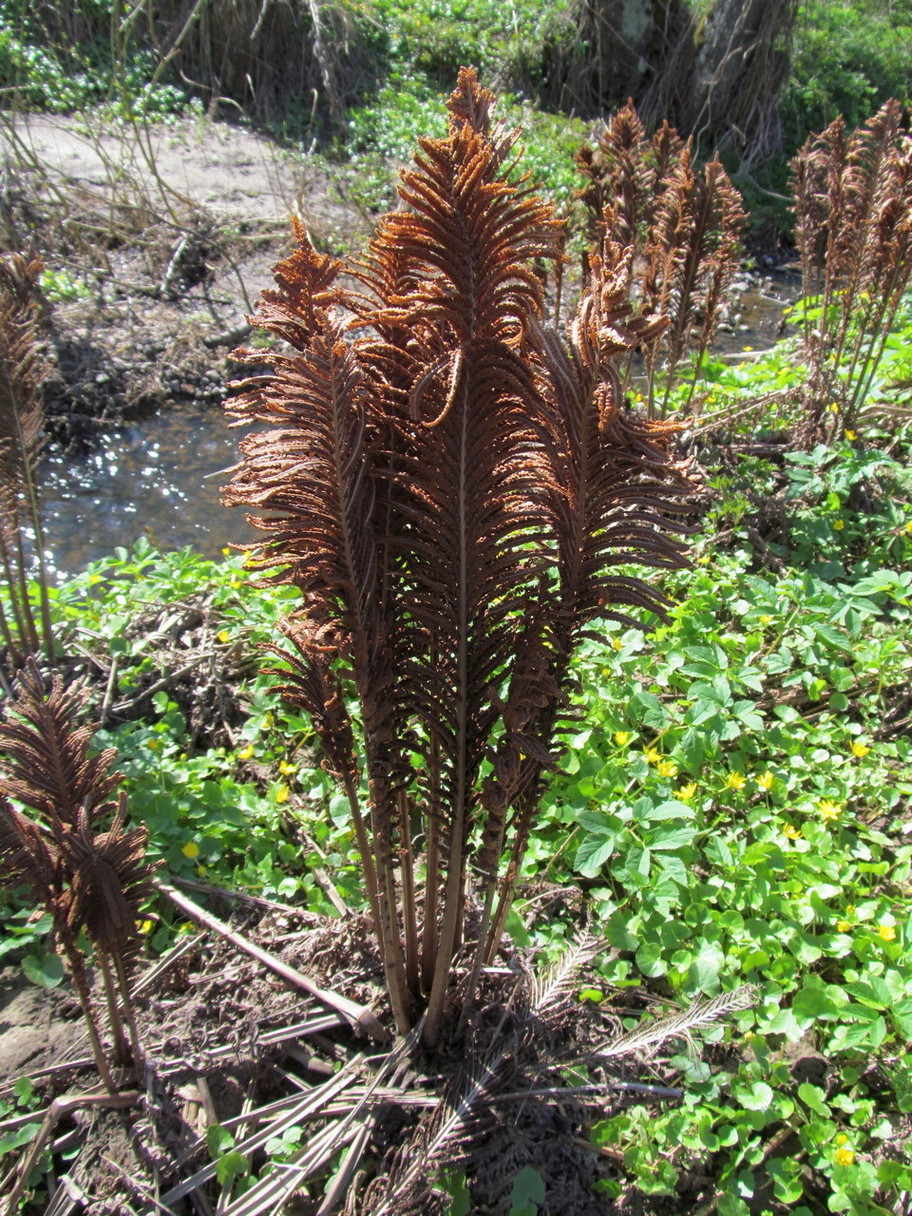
(22, 371)
(46, 754)
(109, 879)
(27, 855)
(82, 864)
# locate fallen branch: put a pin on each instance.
(123, 706)
(358, 1015)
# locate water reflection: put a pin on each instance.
(151, 478)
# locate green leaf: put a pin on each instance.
(813, 1098)
(787, 1176)
(454, 1185)
(527, 1193)
(672, 809)
(232, 1165)
(593, 852)
(19, 1137)
(758, 1096)
(46, 972)
(218, 1140)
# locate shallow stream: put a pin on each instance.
(158, 477)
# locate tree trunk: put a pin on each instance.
(717, 77)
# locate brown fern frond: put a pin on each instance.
(22, 370)
(701, 1013)
(89, 872)
(109, 880)
(667, 149)
(305, 295)
(27, 855)
(21, 373)
(46, 755)
(692, 255)
(621, 176)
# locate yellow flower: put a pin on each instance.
(286, 767)
(844, 926)
(223, 635)
(850, 435)
(765, 781)
(246, 752)
(860, 750)
(667, 768)
(144, 927)
(282, 793)
(736, 781)
(841, 1139)
(844, 1156)
(747, 348)
(833, 407)
(838, 524)
(201, 871)
(909, 526)
(616, 643)
(153, 745)
(227, 552)
(792, 833)
(235, 583)
(191, 849)
(653, 755)
(686, 792)
(766, 619)
(829, 809)
(622, 737)
(886, 933)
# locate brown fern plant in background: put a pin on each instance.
(681, 228)
(73, 854)
(21, 420)
(456, 492)
(853, 226)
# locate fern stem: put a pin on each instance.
(364, 848)
(129, 1012)
(121, 1047)
(432, 879)
(80, 983)
(453, 892)
(409, 908)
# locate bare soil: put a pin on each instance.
(160, 240)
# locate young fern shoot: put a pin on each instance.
(452, 488)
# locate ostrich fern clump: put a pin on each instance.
(456, 492)
(853, 229)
